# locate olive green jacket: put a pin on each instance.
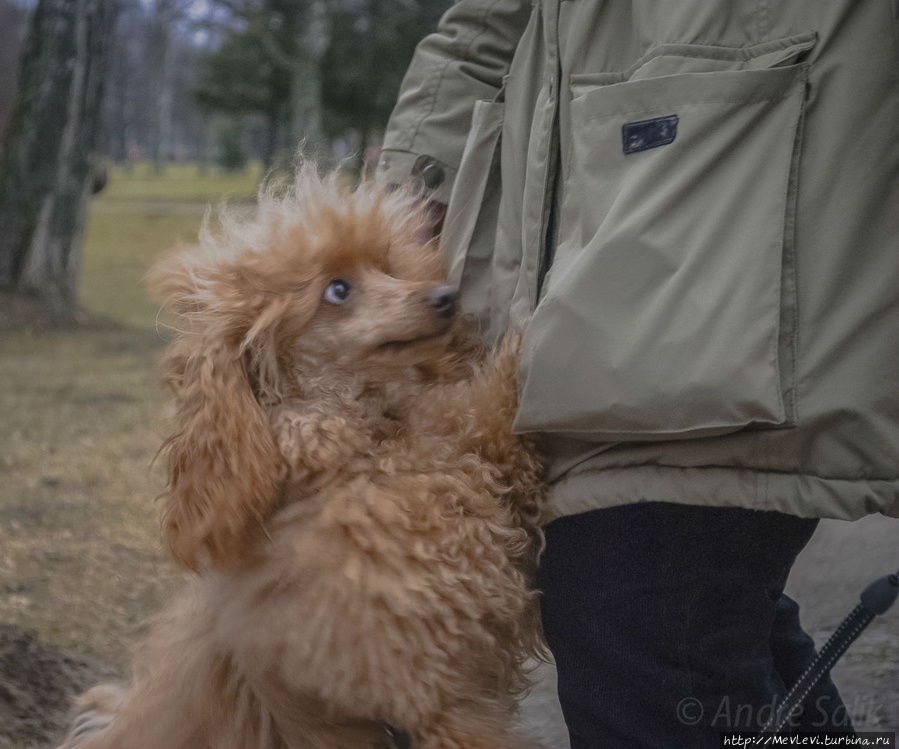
(695, 207)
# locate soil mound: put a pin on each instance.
(37, 685)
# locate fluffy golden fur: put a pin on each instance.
(344, 481)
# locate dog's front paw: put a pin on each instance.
(96, 711)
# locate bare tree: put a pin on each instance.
(162, 53)
(278, 46)
(12, 24)
(125, 85)
(305, 89)
(45, 168)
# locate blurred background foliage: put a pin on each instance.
(225, 86)
(231, 81)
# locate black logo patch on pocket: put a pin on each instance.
(646, 134)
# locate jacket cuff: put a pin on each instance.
(433, 176)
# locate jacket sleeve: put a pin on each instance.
(463, 61)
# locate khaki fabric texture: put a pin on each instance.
(693, 208)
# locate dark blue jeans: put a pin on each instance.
(668, 624)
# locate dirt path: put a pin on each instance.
(828, 577)
(37, 684)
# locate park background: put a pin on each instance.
(184, 104)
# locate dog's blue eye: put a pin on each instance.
(338, 291)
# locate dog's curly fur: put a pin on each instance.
(344, 480)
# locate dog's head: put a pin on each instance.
(319, 283)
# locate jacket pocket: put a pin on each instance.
(470, 226)
(668, 311)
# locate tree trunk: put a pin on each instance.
(162, 56)
(163, 144)
(45, 168)
(272, 131)
(306, 100)
(120, 130)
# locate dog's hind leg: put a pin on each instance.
(96, 710)
(177, 675)
(110, 718)
(149, 717)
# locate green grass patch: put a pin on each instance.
(137, 218)
(120, 246)
(181, 182)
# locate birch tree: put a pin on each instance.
(162, 52)
(45, 167)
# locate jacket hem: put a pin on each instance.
(793, 494)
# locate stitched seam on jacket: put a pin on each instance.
(893, 12)
(710, 51)
(774, 471)
(703, 102)
(478, 31)
(763, 21)
(792, 213)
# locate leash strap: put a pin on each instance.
(875, 600)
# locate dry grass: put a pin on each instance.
(138, 216)
(181, 182)
(81, 563)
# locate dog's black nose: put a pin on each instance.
(443, 300)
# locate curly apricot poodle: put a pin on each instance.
(345, 483)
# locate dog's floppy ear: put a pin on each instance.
(224, 466)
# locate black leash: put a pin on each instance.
(875, 600)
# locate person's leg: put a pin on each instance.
(660, 618)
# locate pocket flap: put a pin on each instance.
(661, 316)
